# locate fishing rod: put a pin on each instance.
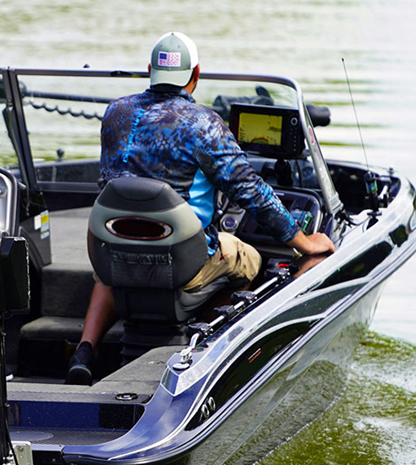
(369, 177)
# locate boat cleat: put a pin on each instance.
(186, 354)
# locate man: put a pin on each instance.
(164, 134)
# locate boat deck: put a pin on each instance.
(140, 377)
(102, 412)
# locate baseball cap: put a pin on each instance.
(173, 59)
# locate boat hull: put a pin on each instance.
(291, 392)
(300, 390)
(305, 332)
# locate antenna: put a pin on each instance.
(355, 112)
(369, 177)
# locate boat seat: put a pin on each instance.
(146, 243)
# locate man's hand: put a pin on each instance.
(313, 244)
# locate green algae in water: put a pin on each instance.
(374, 421)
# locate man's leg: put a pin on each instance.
(239, 261)
(101, 315)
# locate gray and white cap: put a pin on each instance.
(173, 60)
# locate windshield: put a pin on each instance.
(59, 116)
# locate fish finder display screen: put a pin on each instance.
(260, 129)
(274, 132)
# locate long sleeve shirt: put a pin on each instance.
(164, 134)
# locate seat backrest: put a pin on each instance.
(145, 242)
(141, 233)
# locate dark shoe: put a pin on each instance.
(80, 366)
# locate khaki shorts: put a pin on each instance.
(239, 261)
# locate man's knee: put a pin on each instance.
(239, 261)
(243, 259)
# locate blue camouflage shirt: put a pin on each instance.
(164, 134)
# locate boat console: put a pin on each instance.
(273, 132)
(303, 204)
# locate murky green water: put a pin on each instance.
(375, 420)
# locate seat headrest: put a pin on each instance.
(139, 194)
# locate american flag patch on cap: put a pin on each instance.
(169, 59)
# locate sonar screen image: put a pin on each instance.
(260, 129)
